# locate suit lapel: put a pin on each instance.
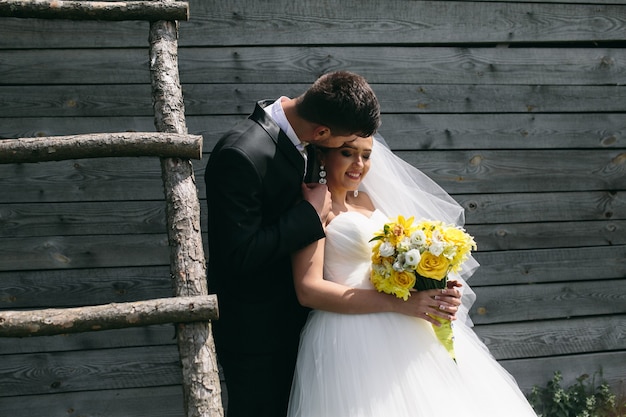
(283, 144)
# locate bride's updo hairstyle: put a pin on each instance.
(342, 101)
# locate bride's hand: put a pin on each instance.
(427, 304)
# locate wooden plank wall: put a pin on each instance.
(515, 107)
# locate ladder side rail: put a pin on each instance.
(201, 384)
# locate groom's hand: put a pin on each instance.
(319, 197)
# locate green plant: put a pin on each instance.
(585, 398)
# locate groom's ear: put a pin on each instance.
(321, 133)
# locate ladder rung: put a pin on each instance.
(53, 321)
(100, 145)
(92, 10)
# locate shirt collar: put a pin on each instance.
(276, 112)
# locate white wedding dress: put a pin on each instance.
(387, 364)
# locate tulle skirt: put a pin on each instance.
(390, 365)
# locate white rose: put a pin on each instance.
(412, 258)
(386, 249)
(438, 244)
(418, 238)
(436, 248)
(398, 265)
(404, 244)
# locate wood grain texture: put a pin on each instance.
(88, 286)
(90, 10)
(54, 321)
(536, 266)
(58, 252)
(402, 131)
(608, 366)
(392, 22)
(213, 99)
(397, 65)
(106, 339)
(475, 171)
(164, 401)
(502, 304)
(515, 107)
(100, 145)
(50, 373)
(137, 217)
(554, 337)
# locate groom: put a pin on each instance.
(259, 212)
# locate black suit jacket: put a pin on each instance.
(257, 218)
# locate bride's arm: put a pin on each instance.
(315, 292)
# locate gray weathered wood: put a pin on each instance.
(459, 172)
(78, 287)
(364, 22)
(515, 107)
(538, 371)
(201, 385)
(540, 207)
(537, 266)
(100, 145)
(162, 334)
(549, 301)
(549, 235)
(224, 99)
(123, 216)
(58, 252)
(83, 218)
(398, 65)
(158, 401)
(48, 322)
(89, 370)
(63, 287)
(525, 171)
(554, 337)
(404, 131)
(95, 10)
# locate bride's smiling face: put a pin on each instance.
(347, 165)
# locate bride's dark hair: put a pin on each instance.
(342, 101)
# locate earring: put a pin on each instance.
(322, 179)
(356, 193)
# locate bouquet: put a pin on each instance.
(420, 255)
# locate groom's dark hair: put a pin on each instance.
(344, 102)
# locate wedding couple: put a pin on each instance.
(281, 245)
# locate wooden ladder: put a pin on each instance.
(191, 308)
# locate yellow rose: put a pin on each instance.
(458, 238)
(432, 266)
(403, 279)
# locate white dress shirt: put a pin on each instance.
(276, 112)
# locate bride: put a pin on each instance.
(355, 361)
